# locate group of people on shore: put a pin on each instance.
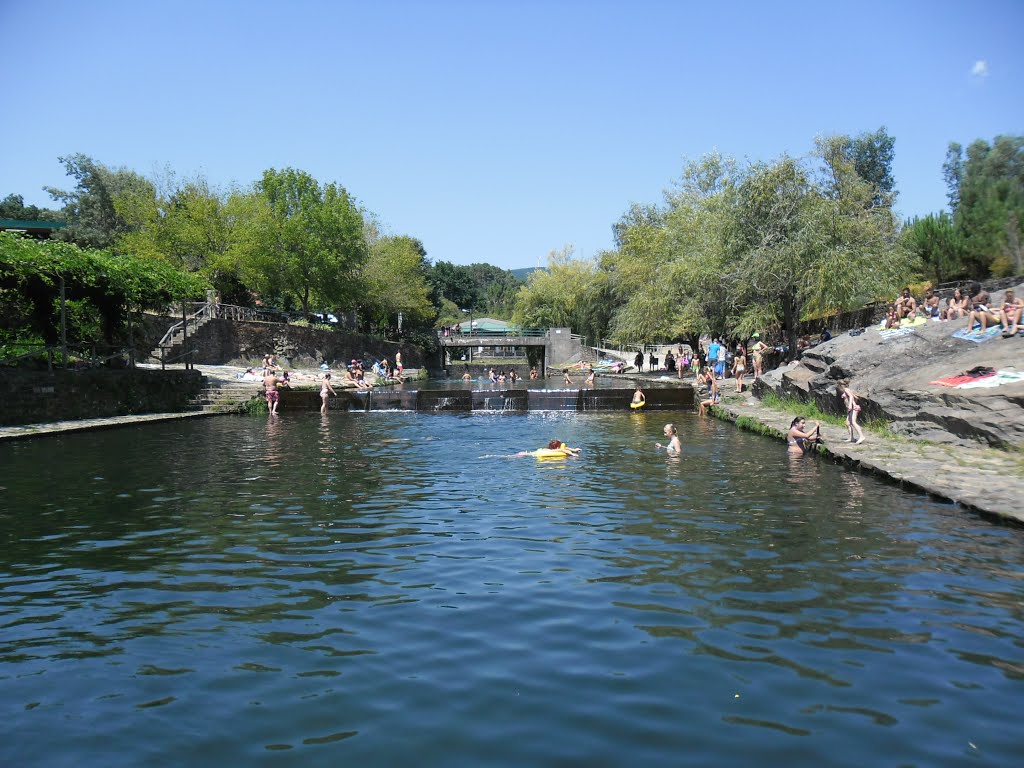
(275, 379)
(974, 304)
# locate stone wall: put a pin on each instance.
(228, 342)
(31, 397)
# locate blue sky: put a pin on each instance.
(497, 131)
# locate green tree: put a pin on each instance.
(569, 293)
(451, 282)
(297, 238)
(871, 155)
(89, 209)
(936, 241)
(13, 207)
(394, 280)
(990, 206)
(181, 222)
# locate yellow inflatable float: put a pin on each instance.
(555, 450)
(554, 453)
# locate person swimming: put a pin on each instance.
(554, 450)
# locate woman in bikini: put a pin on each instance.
(1010, 313)
(739, 366)
(956, 306)
(797, 440)
(852, 410)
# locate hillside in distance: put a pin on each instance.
(524, 272)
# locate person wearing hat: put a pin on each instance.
(757, 351)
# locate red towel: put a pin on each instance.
(952, 381)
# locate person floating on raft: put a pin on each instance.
(639, 399)
(556, 450)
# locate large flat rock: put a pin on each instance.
(892, 378)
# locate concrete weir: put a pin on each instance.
(491, 401)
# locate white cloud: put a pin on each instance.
(980, 68)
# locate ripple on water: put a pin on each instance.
(321, 590)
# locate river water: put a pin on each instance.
(388, 589)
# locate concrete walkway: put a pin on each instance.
(982, 479)
(81, 425)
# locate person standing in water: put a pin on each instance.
(639, 399)
(325, 388)
(674, 447)
(798, 440)
(270, 390)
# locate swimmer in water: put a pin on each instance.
(674, 447)
(554, 445)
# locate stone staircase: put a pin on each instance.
(170, 346)
(219, 396)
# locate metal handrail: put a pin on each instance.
(203, 311)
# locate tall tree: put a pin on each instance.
(990, 208)
(300, 239)
(936, 241)
(89, 208)
(183, 222)
(567, 294)
(394, 280)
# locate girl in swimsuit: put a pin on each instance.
(325, 388)
(852, 409)
(1011, 312)
(739, 367)
(674, 447)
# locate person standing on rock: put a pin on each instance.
(398, 363)
(270, 389)
(638, 361)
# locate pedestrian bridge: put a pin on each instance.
(559, 345)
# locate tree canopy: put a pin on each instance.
(100, 287)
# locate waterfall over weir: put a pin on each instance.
(492, 400)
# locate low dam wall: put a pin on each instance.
(490, 400)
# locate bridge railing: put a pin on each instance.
(478, 333)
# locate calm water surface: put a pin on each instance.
(393, 589)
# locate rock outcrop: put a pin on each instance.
(891, 378)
